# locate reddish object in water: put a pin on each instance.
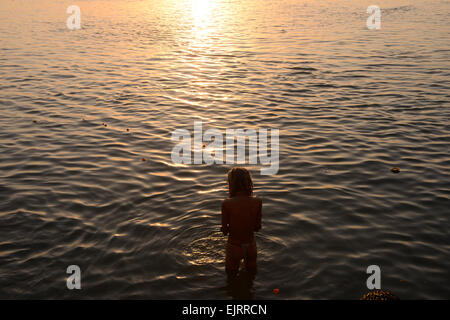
(395, 170)
(276, 291)
(143, 159)
(128, 129)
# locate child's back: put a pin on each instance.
(242, 214)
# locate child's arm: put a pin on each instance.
(225, 220)
(258, 216)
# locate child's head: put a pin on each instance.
(239, 180)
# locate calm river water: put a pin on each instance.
(350, 104)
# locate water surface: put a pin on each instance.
(350, 104)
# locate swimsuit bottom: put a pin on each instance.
(244, 247)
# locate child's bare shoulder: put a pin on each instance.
(226, 202)
(231, 201)
(257, 200)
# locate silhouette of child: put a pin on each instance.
(241, 216)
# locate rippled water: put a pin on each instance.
(350, 104)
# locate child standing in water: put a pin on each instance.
(241, 216)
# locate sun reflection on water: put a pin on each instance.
(201, 15)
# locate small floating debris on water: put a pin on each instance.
(143, 159)
(276, 291)
(105, 125)
(395, 170)
(128, 130)
(34, 121)
(379, 295)
(204, 145)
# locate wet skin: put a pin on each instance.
(241, 217)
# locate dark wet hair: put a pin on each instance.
(239, 179)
